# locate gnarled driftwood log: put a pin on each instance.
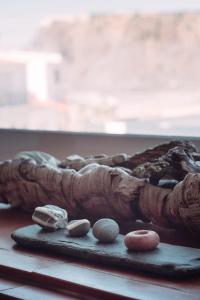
(97, 190)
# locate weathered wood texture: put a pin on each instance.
(108, 188)
(166, 260)
(174, 160)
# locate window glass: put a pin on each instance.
(101, 66)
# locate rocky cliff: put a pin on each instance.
(126, 52)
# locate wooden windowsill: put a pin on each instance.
(27, 274)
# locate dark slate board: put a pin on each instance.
(166, 260)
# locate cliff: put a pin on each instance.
(124, 53)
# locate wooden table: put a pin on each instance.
(25, 274)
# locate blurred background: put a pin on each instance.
(101, 66)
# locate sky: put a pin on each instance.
(20, 19)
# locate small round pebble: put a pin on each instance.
(78, 228)
(141, 240)
(105, 230)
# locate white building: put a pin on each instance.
(29, 76)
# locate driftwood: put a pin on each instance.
(169, 160)
(118, 186)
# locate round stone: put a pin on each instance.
(105, 230)
(78, 228)
(141, 240)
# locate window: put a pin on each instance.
(101, 66)
(56, 76)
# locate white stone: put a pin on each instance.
(50, 217)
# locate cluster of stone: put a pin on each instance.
(104, 230)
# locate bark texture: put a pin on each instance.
(169, 160)
(109, 186)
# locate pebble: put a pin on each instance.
(78, 228)
(50, 216)
(141, 240)
(105, 230)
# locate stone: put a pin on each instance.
(105, 230)
(78, 228)
(166, 260)
(141, 240)
(50, 217)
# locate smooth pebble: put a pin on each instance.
(105, 230)
(78, 228)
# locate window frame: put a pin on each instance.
(62, 144)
